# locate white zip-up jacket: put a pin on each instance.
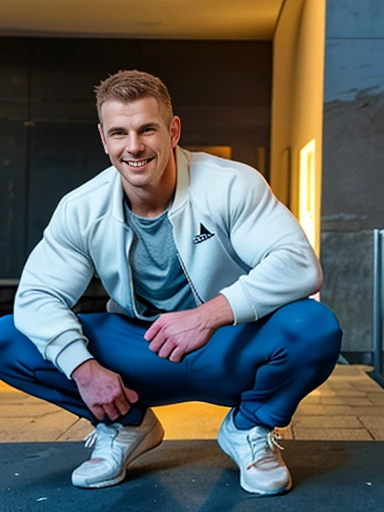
(232, 236)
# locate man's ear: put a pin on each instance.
(102, 138)
(175, 130)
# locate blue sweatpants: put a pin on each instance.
(262, 368)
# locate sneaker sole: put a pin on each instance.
(286, 488)
(226, 449)
(152, 440)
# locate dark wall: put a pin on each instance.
(49, 142)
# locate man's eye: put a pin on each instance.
(148, 130)
(118, 134)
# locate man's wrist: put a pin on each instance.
(216, 313)
(82, 373)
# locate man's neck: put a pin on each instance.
(153, 200)
(149, 209)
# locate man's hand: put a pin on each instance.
(103, 390)
(173, 335)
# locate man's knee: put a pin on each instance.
(14, 346)
(7, 335)
(7, 330)
(313, 328)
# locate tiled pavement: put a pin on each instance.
(349, 406)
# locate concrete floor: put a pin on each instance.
(349, 406)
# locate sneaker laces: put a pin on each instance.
(102, 440)
(91, 438)
(263, 449)
(101, 432)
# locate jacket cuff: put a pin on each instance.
(243, 311)
(72, 356)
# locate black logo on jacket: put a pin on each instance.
(204, 235)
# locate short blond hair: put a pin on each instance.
(133, 85)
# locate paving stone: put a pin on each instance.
(324, 410)
(351, 392)
(326, 422)
(36, 401)
(377, 434)
(346, 370)
(354, 400)
(13, 398)
(351, 434)
(324, 392)
(368, 411)
(78, 431)
(341, 384)
(49, 427)
(323, 387)
(376, 399)
(311, 399)
(368, 388)
(332, 400)
(367, 383)
(12, 429)
(23, 410)
(372, 421)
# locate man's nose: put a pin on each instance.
(134, 145)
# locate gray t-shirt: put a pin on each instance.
(159, 282)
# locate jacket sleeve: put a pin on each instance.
(269, 240)
(55, 276)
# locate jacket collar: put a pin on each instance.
(183, 160)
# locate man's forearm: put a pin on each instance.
(216, 313)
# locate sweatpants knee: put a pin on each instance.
(7, 333)
(314, 331)
(15, 348)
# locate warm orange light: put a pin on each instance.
(222, 151)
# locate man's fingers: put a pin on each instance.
(122, 405)
(177, 355)
(98, 412)
(111, 411)
(131, 395)
(152, 331)
(166, 350)
(157, 343)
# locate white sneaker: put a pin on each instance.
(116, 446)
(257, 453)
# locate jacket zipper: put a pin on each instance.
(198, 299)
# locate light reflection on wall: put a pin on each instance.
(308, 209)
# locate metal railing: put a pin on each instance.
(378, 302)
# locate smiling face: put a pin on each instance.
(140, 144)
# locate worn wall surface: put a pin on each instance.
(353, 156)
(49, 142)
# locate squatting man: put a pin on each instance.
(208, 277)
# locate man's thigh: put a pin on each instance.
(217, 373)
(221, 371)
(117, 342)
(228, 365)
